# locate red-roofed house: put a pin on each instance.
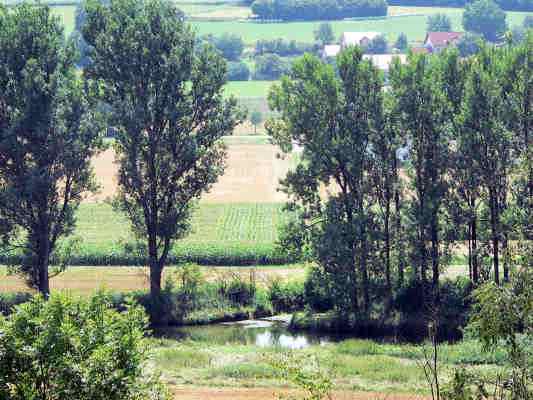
(437, 41)
(419, 50)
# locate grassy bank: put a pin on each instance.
(353, 365)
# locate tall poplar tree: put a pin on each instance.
(421, 104)
(333, 117)
(167, 104)
(482, 121)
(48, 134)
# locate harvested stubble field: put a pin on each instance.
(252, 174)
(85, 280)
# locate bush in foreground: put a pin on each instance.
(74, 349)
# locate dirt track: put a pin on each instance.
(252, 176)
(272, 393)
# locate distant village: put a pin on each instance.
(434, 42)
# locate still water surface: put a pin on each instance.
(262, 333)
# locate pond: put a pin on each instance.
(264, 332)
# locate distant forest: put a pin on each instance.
(510, 5)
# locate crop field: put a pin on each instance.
(221, 234)
(252, 174)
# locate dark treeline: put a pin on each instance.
(445, 153)
(509, 5)
(291, 10)
(283, 47)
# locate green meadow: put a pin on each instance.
(414, 26)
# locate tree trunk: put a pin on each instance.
(470, 275)
(494, 219)
(387, 250)
(42, 267)
(435, 251)
(42, 259)
(155, 268)
(475, 267)
(398, 234)
(505, 248)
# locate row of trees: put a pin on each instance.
(511, 5)
(389, 181)
(291, 10)
(162, 94)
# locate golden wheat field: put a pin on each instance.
(252, 175)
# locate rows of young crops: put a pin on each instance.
(221, 234)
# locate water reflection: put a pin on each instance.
(261, 333)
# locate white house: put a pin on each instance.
(331, 50)
(383, 61)
(357, 38)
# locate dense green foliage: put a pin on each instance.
(48, 134)
(76, 349)
(516, 5)
(270, 67)
(439, 23)
(469, 44)
(486, 18)
(282, 47)
(443, 122)
(377, 45)
(230, 45)
(324, 34)
(238, 71)
(295, 10)
(168, 107)
(401, 43)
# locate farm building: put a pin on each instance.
(435, 42)
(357, 38)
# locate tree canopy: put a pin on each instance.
(49, 132)
(167, 104)
(486, 18)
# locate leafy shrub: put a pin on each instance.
(317, 291)
(270, 67)
(76, 349)
(230, 45)
(286, 297)
(238, 71)
(377, 45)
(282, 47)
(486, 18)
(239, 292)
(9, 300)
(439, 22)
